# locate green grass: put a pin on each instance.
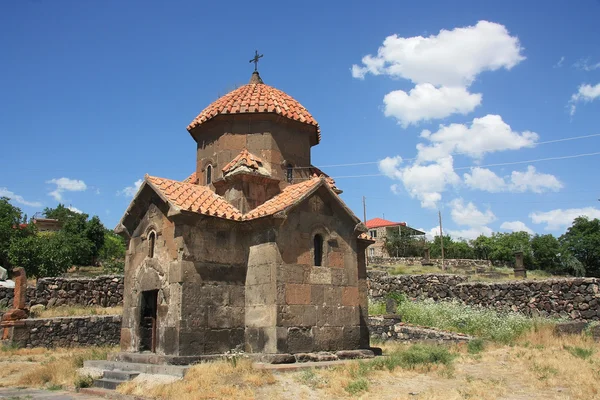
(476, 346)
(453, 316)
(376, 308)
(357, 386)
(418, 355)
(579, 352)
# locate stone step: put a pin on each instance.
(120, 375)
(174, 370)
(106, 383)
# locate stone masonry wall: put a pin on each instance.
(452, 262)
(572, 298)
(389, 327)
(68, 331)
(105, 291)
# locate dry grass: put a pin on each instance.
(72, 311)
(54, 368)
(214, 380)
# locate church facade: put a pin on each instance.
(254, 250)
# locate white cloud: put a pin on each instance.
(518, 182)
(4, 192)
(484, 179)
(585, 65)
(425, 102)
(75, 210)
(560, 62)
(66, 184)
(485, 135)
(130, 191)
(585, 93)
(424, 182)
(516, 226)
(533, 181)
(395, 188)
(469, 214)
(450, 58)
(559, 218)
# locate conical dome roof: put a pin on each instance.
(256, 97)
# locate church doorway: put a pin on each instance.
(148, 329)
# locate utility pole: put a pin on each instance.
(441, 239)
(364, 209)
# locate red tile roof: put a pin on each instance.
(244, 159)
(257, 98)
(193, 178)
(202, 200)
(195, 198)
(289, 196)
(379, 222)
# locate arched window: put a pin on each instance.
(151, 243)
(318, 250)
(208, 174)
(290, 173)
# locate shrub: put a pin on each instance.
(476, 346)
(84, 381)
(579, 352)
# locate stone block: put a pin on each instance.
(261, 315)
(317, 295)
(338, 277)
(335, 259)
(225, 317)
(329, 338)
(291, 273)
(332, 295)
(350, 296)
(300, 340)
(126, 344)
(260, 295)
(297, 315)
(320, 276)
(265, 253)
(297, 293)
(570, 327)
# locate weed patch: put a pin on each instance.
(357, 386)
(454, 316)
(476, 346)
(579, 351)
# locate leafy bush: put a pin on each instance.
(357, 386)
(46, 254)
(84, 381)
(454, 316)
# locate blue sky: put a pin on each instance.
(95, 94)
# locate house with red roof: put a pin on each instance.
(379, 229)
(255, 250)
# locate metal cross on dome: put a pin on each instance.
(255, 60)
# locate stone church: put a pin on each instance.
(254, 250)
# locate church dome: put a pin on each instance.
(256, 97)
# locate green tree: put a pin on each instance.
(10, 218)
(41, 255)
(113, 247)
(94, 232)
(582, 241)
(400, 243)
(546, 253)
(482, 247)
(504, 246)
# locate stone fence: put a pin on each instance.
(390, 327)
(452, 262)
(571, 298)
(102, 330)
(104, 291)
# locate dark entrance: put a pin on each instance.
(148, 321)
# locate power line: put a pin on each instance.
(453, 153)
(488, 165)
